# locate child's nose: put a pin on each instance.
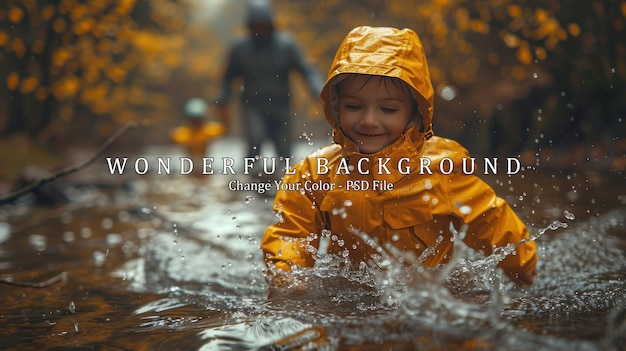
(369, 118)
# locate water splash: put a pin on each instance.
(392, 300)
(464, 296)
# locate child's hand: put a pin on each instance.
(527, 277)
(223, 114)
(285, 285)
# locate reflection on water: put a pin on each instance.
(172, 263)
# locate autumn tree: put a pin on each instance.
(536, 73)
(72, 66)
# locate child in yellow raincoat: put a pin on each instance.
(374, 178)
(196, 134)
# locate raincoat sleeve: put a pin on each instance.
(491, 223)
(180, 135)
(312, 77)
(294, 238)
(233, 70)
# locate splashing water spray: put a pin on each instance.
(426, 294)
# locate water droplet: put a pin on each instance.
(85, 232)
(68, 236)
(37, 241)
(465, 209)
(99, 258)
(72, 307)
(107, 223)
(569, 215)
(66, 217)
(556, 225)
(113, 239)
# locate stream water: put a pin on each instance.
(173, 263)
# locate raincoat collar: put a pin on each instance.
(410, 145)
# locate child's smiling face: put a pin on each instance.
(374, 111)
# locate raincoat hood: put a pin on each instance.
(382, 51)
(260, 11)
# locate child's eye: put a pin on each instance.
(389, 109)
(352, 107)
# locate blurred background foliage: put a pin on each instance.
(511, 76)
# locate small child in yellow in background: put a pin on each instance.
(196, 134)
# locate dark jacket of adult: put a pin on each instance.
(264, 63)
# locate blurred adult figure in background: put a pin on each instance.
(263, 60)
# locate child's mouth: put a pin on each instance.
(369, 135)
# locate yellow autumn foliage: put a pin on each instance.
(511, 40)
(518, 72)
(524, 55)
(542, 16)
(48, 12)
(60, 57)
(15, 14)
(479, 26)
(28, 85)
(124, 7)
(18, 47)
(462, 18)
(4, 38)
(13, 80)
(59, 25)
(84, 26)
(111, 57)
(78, 12)
(549, 27)
(514, 11)
(574, 28)
(541, 53)
(116, 74)
(66, 87)
(38, 46)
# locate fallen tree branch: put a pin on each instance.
(40, 182)
(8, 279)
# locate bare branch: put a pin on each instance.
(42, 181)
(8, 279)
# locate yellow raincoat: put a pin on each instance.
(418, 210)
(196, 139)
